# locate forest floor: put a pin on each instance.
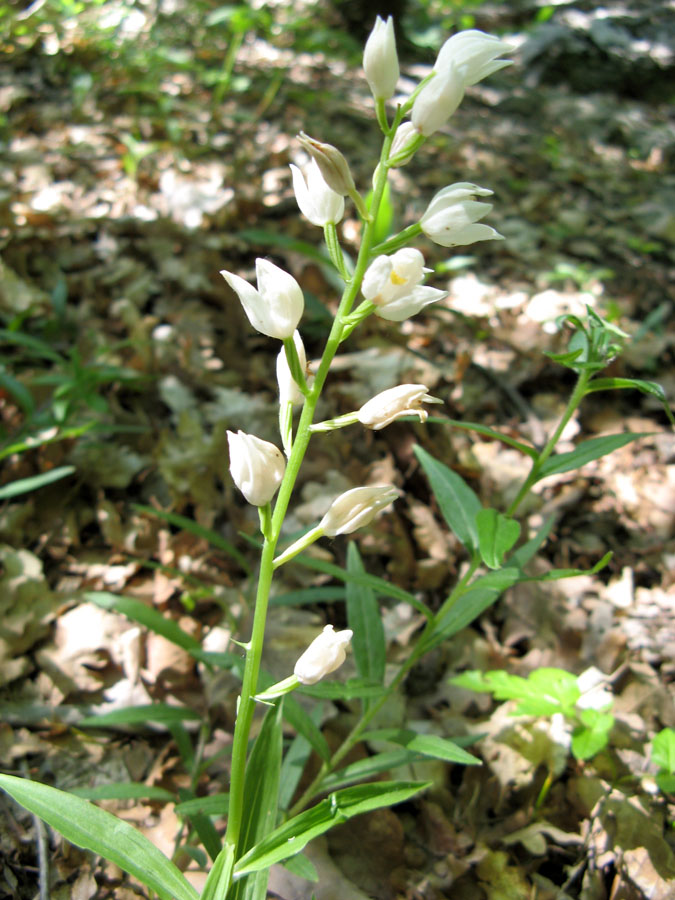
(119, 204)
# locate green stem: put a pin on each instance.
(273, 528)
(575, 399)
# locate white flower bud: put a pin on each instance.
(437, 100)
(317, 202)
(380, 61)
(464, 59)
(277, 306)
(474, 53)
(387, 406)
(392, 284)
(324, 655)
(256, 466)
(289, 392)
(450, 218)
(356, 508)
(334, 167)
(405, 143)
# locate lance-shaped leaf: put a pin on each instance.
(457, 501)
(338, 807)
(586, 452)
(496, 535)
(363, 617)
(87, 826)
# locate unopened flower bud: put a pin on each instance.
(332, 164)
(256, 466)
(474, 53)
(317, 201)
(393, 285)
(356, 508)
(406, 142)
(451, 217)
(387, 406)
(289, 392)
(380, 61)
(324, 655)
(277, 306)
(437, 101)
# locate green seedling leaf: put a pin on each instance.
(586, 452)
(144, 615)
(663, 750)
(427, 744)
(198, 530)
(496, 535)
(338, 807)
(381, 587)
(213, 805)
(479, 596)
(457, 501)
(592, 735)
(87, 826)
(527, 449)
(646, 387)
(544, 692)
(666, 783)
(124, 791)
(137, 715)
(34, 482)
(363, 617)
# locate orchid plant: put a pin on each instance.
(268, 819)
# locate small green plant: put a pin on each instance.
(270, 818)
(663, 756)
(582, 701)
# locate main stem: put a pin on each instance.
(254, 648)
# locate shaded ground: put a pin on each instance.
(121, 200)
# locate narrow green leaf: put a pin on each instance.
(130, 790)
(220, 876)
(213, 805)
(427, 744)
(302, 867)
(586, 452)
(307, 596)
(137, 715)
(198, 530)
(18, 391)
(338, 807)
(305, 725)
(456, 500)
(87, 826)
(527, 449)
(34, 482)
(206, 831)
(557, 574)
(369, 644)
(480, 595)
(520, 557)
(646, 387)
(261, 789)
(365, 769)
(144, 615)
(496, 535)
(352, 689)
(295, 758)
(381, 587)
